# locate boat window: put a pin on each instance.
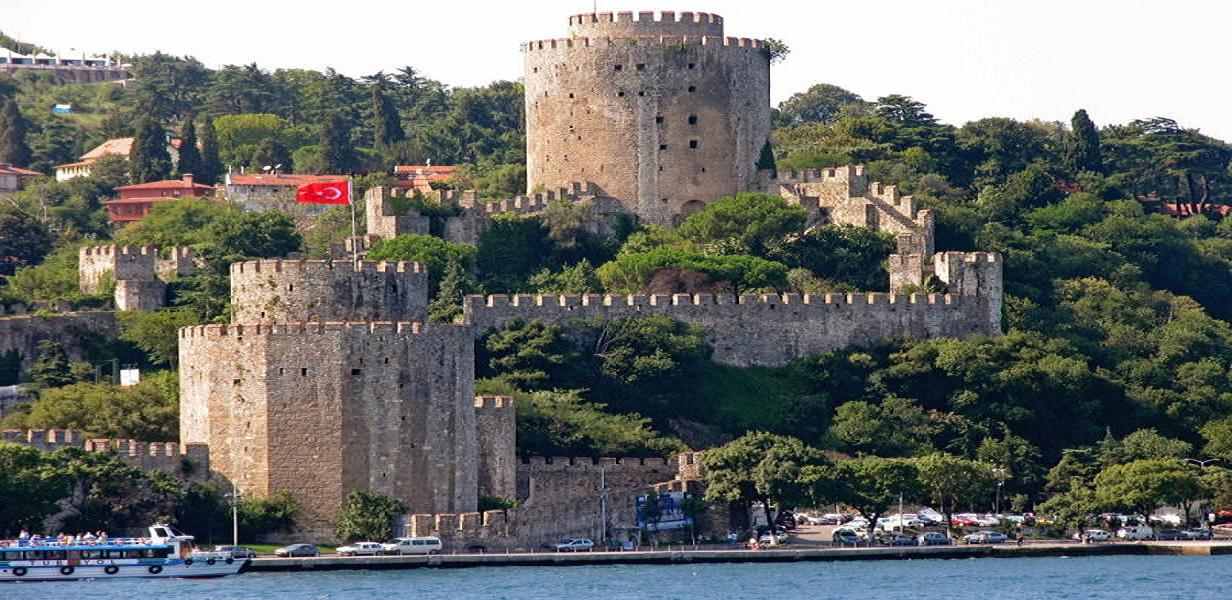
(90, 554)
(162, 552)
(160, 532)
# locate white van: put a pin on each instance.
(1135, 533)
(413, 545)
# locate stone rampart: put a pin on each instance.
(646, 23)
(765, 330)
(328, 290)
(321, 409)
(75, 331)
(496, 419)
(138, 273)
(183, 460)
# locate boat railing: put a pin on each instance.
(53, 543)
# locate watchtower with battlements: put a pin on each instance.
(328, 290)
(660, 111)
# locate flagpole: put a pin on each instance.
(354, 237)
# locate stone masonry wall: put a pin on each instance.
(321, 409)
(190, 461)
(75, 331)
(767, 330)
(496, 419)
(325, 290)
(139, 273)
(664, 114)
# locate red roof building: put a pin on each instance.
(14, 178)
(266, 191)
(421, 177)
(134, 201)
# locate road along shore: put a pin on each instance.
(667, 557)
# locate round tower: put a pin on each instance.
(661, 112)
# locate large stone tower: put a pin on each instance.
(664, 114)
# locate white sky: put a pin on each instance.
(966, 58)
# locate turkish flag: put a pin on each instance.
(325, 192)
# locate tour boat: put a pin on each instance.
(165, 553)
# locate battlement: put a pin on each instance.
(118, 251)
(584, 464)
(569, 301)
(645, 23)
(297, 267)
(689, 466)
(471, 527)
(161, 456)
(536, 203)
(664, 41)
(645, 17)
(493, 402)
(843, 173)
(303, 328)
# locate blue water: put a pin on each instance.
(1183, 578)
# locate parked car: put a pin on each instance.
(297, 550)
(1098, 535)
(1135, 533)
(1196, 534)
(934, 538)
(834, 519)
(360, 549)
(987, 521)
(986, 537)
(413, 545)
(846, 537)
(899, 539)
(964, 521)
(575, 545)
(766, 539)
(1169, 535)
(236, 551)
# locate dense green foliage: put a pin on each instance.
(368, 516)
(148, 411)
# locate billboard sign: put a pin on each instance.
(670, 514)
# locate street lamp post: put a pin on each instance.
(1000, 473)
(234, 496)
(1202, 465)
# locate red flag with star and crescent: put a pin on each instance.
(324, 192)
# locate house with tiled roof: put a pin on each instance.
(13, 178)
(265, 191)
(421, 177)
(112, 147)
(133, 202)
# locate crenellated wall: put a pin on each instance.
(772, 330)
(496, 419)
(190, 461)
(139, 273)
(663, 114)
(328, 290)
(321, 409)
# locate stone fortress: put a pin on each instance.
(328, 380)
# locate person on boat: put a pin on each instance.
(88, 537)
(24, 535)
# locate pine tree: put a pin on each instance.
(190, 156)
(1082, 150)
(448, 302)
(765, 161)
(386, 123)
(337, 155)
(149, 159)
(211, 165)
(52, 367)
(14, 149)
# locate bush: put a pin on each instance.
(368, 516)
(631, 273)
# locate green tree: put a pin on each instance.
(23, 237)
(760, 468)
(454, 286)
(528, 354)
(432, 252)
(190, 155)
(51, 369)
(368, 516)
(211, 163)
(872, 485)
(239, 135)
(747, 223)
(1145, 485)
(147, 411)
(156, 332)
(577, 279)
(386, 122)
(254, 235)
(262, 516)
(821, 103)
(1082, 147)
(842, 255)
(647, 272)
(337, 153)
(951, 480)
(895, 427)
(1074, 508)
(14, 147)
(27, 497)
(1218, 436)
(149, 159)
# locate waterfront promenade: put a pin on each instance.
(784, 554)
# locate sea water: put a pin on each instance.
(1119, 577)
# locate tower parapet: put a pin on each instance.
(331, 290)
(138, 272)
(645, 23)
(496, 419)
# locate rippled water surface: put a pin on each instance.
(1013, 578)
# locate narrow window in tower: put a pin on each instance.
(620, 94)
(663, 146)
(535, 70)
(356, 371)
(570, 96)
(659, 119)
(663, 200)
(303, 372)
(290, 287)
(641, 66)
(641, 93)
(703, 169)
(620, 67)
(660, 168)
(281, 371)
(692, 119)
(693, 143)
(692, 65)
(692, 89)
